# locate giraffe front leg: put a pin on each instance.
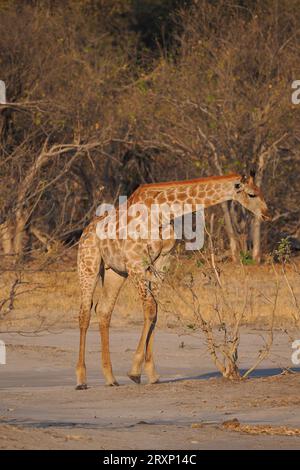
(110, 291)
(84, 321)
(149, 366)
(159, 271)
(138, 359)
(104, 324)
(144, 349)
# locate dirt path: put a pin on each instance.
(40, 409)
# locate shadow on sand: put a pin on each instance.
(258, 373)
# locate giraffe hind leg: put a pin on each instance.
(84, 321)
(88, 270)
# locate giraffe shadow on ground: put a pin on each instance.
(80, 425)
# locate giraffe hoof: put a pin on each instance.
(113, 384)
(135, 378)
(81, 387)
(155, 380)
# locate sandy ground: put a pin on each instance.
(40, 409)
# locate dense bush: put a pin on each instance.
(120, 92)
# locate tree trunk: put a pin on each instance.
(19, 233)
(256, 224)
(6, 238)
(6, 126)
(262, 162)
(232, 371)
(234, 248)
(256, 240)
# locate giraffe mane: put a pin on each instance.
(206, 179)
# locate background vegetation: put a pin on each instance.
(123, 92)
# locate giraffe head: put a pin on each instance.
(250, 196)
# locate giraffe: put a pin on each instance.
(145, 262)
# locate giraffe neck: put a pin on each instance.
(214, 193)
(206, 193)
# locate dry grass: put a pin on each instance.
(52, 298)
(258, 429)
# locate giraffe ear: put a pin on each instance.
(240, 185)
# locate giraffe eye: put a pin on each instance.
(251, 195)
